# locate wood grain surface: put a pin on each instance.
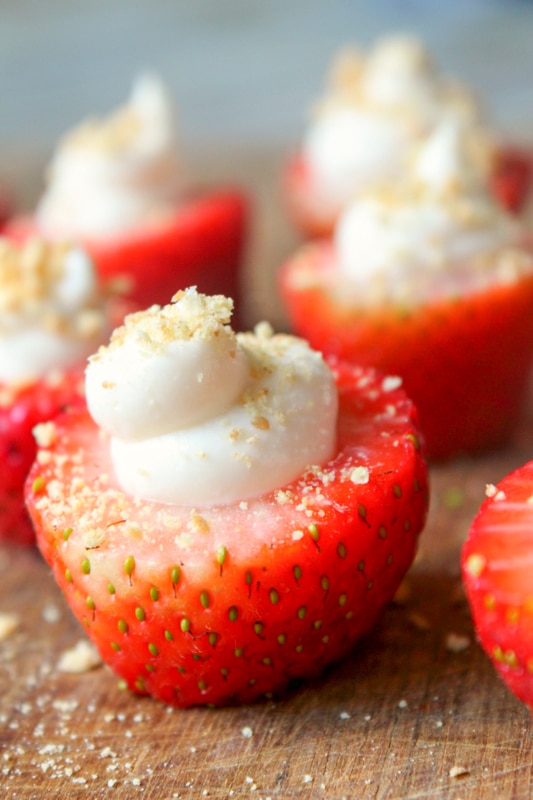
(415, 713)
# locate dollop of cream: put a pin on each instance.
(438, 217)
(377, 108)
(110, 175)
(199, 415)
(51, 315)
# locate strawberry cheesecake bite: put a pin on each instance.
(117, 186)
(428, 278)
(497, 562)
(51, 318)
(378, 108)
(230, 513)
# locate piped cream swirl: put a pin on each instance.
(199, 415)
(110, 175)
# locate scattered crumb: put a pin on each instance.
(457, 642)
(360, 475)
(80, 658)
(492, 491)
(247, 732)
(308, 778)
(459, 771)
(345, 715)
(419, 621)
(391, 382)
(45, 434)
(51, 613)
(8, 624)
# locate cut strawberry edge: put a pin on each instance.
(497, 570)
(271, 590)
(470, 398)
(315, 217)
(21, 409)
(201, 245)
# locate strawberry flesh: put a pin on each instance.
(20, 410)
(497, 566)
(229, 603)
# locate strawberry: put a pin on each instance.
(497, 574)
(511, 179)
(201, 246)
(21, 408)
(464, 360)
(228, 603)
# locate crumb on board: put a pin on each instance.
(80, 658)
(457, 642)
(458, 771)
(9, 622)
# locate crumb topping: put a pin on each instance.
(35, 284)
(27, 272)
(110, 135)
(190, 316)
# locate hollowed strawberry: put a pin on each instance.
(229, 603)
(464, 358)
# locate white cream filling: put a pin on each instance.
(442, 216)
(49, 316)
(217, 417)
(109, 176)
(379, 108)
(349, 149)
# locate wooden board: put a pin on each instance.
(416, 713)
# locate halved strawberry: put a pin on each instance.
(512, 176)
(464, 359)
(21, 408)
(497, 565)
(202, 245)
(228, 603)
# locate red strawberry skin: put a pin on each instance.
(202, 245)
(465, 361)
(21, 408)
(512, 176)
(227, 604)
(497, 568)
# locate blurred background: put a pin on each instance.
(244, 74)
